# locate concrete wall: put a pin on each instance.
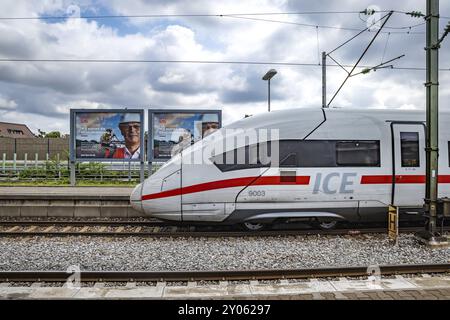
(31, 146)
(67, 208)
(7, 146)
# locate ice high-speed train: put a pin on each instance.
(333, 165)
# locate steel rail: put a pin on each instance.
(82, 223)
(208, 234)
(220, 275)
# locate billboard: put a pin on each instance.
(108, 135)
(171, 131)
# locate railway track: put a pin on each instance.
(222, 275)
(162, 229)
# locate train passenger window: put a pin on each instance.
(449, 153)
(304, 154)
(358, 153)
(289, 160)
(247, 157)
(317, 153)
(307, 153)
(409, 143)
(288, 153)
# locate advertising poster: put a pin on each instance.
(175, 131)
(108, 135)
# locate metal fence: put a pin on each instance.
(47, 159)
(35, 168)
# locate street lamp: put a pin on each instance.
(267, 77)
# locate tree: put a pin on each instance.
(53, 134)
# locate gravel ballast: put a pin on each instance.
(179, 254)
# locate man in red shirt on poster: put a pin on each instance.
(130, 127)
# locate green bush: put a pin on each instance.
(55, 172)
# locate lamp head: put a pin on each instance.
(269, 74)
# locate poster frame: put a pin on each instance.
(74, 112)
(150, 129)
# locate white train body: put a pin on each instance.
(333, 164)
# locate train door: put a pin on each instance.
(408, 174)
(171, 206)
(203, 197)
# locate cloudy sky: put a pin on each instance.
(40, 94)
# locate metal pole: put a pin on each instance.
(432, 91)
(142, 172)
(57, 165)
(268, 95)
(397, 215)
(72, 174)
(150, 165)
(324, 79)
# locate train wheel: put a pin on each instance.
(327, 225)
(250, 226)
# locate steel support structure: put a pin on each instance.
(324, 79)
(432, 111)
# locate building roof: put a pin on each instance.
(15, 130)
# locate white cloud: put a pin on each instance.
(6, 104)
(43, 93)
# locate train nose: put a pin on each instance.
(136, 198)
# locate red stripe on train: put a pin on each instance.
(384, 179)
(229, 183)
(276, 180)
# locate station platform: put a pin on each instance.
(417, 288)
(65, 193)
(66, 202)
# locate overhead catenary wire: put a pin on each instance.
(247, 16)
(386, 19)
(131, 16)
(385, 47)
(312, 25)
(347, 41)
(229, 62)
(382, 65)
(156, 61)
(338, 64)
(266, 63)
(407, 27)
(216, 62)
(194, 15)
(359, 33)
(290, 22)
(397, 28)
